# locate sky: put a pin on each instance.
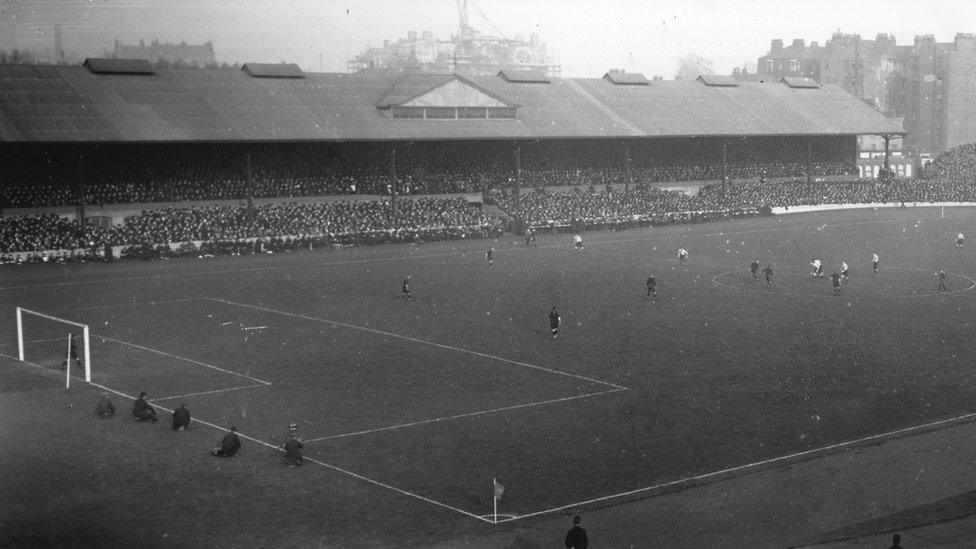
(586, 37)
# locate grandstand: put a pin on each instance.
(77, 140)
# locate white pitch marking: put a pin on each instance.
(458, 416)
(415, 340)
(277, 448)
(190, 360)
(215, 391)
(755, 464)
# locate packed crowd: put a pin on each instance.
(800, 192)
(210, 172)
(237, 229)
(609, 208)
(593, 202)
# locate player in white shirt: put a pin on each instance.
(843, 270)
(817, 268)
(682, 255)
(874, 263)
(960, 240)
(578, 242)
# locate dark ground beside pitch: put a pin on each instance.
(720, 372)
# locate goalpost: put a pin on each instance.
(50, 344)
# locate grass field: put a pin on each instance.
(409, 409)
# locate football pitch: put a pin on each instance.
(432, 398)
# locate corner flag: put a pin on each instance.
(499, 489)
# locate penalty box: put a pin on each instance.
(262, 368)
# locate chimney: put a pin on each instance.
(776, 45)
(798, 43)
(814, 44)
(965, 43)
(924, 41)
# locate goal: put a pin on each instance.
(54, 343)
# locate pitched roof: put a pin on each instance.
(72, 104)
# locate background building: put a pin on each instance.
(182, 53)
(930, 84)
(469, 52)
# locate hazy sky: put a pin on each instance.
(587, 37)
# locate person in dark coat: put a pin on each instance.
(576, 537)
(142, 410)
(105, 408)
(181, 418)
(293, 450)
(229, 445)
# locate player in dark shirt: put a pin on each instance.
(768, 273)
(554, 321)
(942, 279)
(490, 256)
(652, 288)
(835, 282)
(754, 268)
(405, 288)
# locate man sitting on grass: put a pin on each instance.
(229, 445)
(293, 450)
(105, 408)
(142, 410)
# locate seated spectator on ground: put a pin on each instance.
(181, 418)
(105, 408)
(229, 445)
(142, 410)
(293, 450)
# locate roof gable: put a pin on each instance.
(454, 91)
(627, 78)
(118, 66)
(721, 80)
(272, 70)
(800, 82)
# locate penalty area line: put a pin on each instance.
(459, 416)
(415, 340)
(215, 391)
(277, 448)
(190, 360)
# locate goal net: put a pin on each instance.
(54, 343)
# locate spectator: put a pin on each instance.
(104, 409)
(229, 445)
(293, 450)
(576, 537)
(142, 410)
(181, 418)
